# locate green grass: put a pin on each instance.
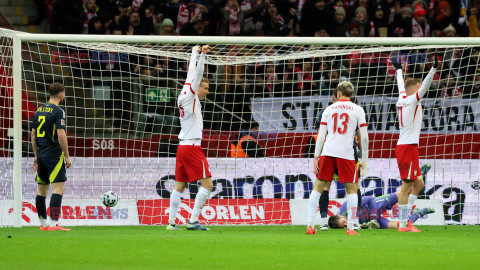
(251, 247)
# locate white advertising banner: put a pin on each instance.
(76, 213)
(298, 114)
(453, 181)
(298, 210)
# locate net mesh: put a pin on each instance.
(122, 123)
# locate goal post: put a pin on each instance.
(122, 121)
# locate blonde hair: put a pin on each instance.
(204, 80)
(410, 82)
(346, 88)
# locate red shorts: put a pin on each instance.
(191, 164)
(408, 161)
(347, 169)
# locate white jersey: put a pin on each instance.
(410, 113)
(191, 119)
(342, 120)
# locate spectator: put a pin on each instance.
(449, 89)
(273, 23)
(315, 14)
(195, 27)
(420, 27)
(401, 26)
(353, 30)
(133, 25)
(167, 28)
(473, 23)
(187, 10)
(379, 24)
(322, 32)
(91, 11)
(362, 19)
(233, 18)
(248, 145)
(68, 17)
(442, 17)
(95, 27)
(449, 31)
(339, 27)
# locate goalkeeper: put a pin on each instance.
(372, 210)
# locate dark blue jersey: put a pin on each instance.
(46, 120)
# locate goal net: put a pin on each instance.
(122, 124)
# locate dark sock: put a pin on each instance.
(414, 217)
(323, 203)
(41, 207)
(55, 206)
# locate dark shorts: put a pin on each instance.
(51, 169)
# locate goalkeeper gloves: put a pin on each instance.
(363, 168)
(435, 63)
(396, 62)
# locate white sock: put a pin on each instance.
(43, 222)
(411, 200)
(352, 203)
(53, 223)
(403, 211)
(312, 207)
(324, 221)
(200, 200)
(175, 199)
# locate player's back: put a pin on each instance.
(191, 119)
(410, 117)
(342, 119)
(46, 120)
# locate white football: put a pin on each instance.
(110, 198)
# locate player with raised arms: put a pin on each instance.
(50, 147)
(191, 164)
(410, 119)
(340, 120)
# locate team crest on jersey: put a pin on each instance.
(62, 122)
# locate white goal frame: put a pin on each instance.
(25, 37)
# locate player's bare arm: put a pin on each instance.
(62, 140)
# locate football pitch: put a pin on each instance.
(240, 247)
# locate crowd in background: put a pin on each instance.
(371, 73)
(343, 18)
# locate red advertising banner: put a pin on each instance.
(219, 211)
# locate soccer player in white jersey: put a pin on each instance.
(191, 164)
(338, 125)
(410, 122)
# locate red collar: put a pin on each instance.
(343, 100)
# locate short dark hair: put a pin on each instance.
(55, 88)
(333, 222)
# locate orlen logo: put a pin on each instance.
(222, 212)
(29, 212)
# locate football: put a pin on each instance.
(110, 198)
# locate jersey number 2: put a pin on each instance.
(344, 118)
(41, 119)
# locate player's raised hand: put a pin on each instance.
(68, 162)
(435, 62)
(363, 168)
(35, 165)
(205, 49)
(396, 62)
(196, 49)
